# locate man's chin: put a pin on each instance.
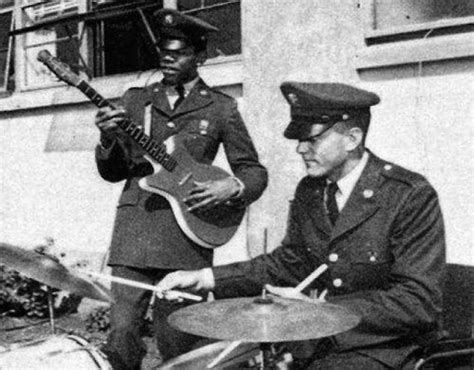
(315, 172)
(170, 79)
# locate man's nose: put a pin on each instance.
(167, 57)
(302, 147)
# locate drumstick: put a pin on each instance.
(224, 353)
(301, 286)
(137, 284)
(311, 277)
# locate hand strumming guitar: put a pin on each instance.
(206, 195)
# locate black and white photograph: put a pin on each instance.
(236, 184)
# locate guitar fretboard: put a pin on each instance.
(153, 148)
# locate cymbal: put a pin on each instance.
(263, 319)
(47, 270)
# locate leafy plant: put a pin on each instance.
(22, 296)
(98, 320)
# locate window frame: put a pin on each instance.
(84, 39)
(4, 87)
(414, 43)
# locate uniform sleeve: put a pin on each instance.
(114, 164)
(412, 303)
(287, 265)
(243, 158)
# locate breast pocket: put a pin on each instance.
(201, 144)
(370, 269)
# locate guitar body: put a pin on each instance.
(209, 229)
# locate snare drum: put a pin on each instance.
(201, 357)
(59, 352)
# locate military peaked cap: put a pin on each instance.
(172, 24)
(323, 103)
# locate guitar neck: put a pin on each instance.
(154, 149)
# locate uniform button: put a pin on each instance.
(368, 193)
(337, 283)
(203, 92)
(333, 257)
(308, 249)
(171, 124)
(156, 89)
(387, 167)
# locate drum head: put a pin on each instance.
(57, 352)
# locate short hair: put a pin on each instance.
(360, 120)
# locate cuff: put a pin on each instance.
(208, 282)
(241, 187)
(106, 150)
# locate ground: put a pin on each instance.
(17, 333)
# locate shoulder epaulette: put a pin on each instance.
(220, 93)
(401, 174)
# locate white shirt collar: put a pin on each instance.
(347, 183)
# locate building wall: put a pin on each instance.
(49, 186)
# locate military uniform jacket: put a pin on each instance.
(386, 255)
(146, 233)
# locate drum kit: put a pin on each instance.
(245, 329)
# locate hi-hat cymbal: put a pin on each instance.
(263, 320)
(46, 270)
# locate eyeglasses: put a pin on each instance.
(315, 138)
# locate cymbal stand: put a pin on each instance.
(51, 308)
(267, 356)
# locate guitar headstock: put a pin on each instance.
(60, 69)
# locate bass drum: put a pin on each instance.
(201, 357)
(59, 353)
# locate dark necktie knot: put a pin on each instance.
(181, 95)
(331, 203)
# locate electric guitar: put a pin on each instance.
(174, 171)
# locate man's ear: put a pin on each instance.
(355, 137)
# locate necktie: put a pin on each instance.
(331, 204)
(180, 90)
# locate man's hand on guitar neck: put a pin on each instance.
(206, 195)
(107, 120)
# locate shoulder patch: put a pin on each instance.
(398, 173)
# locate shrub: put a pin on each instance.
(22, 296)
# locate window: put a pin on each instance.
(6, 24)
(107, 37)
(395, 20)
(60, 39)
(416, 31)
(120, 43)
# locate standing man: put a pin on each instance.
(147, 242)
(376, 225)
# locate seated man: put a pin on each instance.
(376, 225)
